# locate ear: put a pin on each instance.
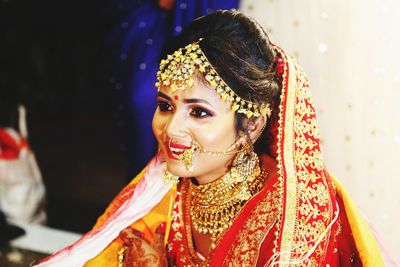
(255, 127)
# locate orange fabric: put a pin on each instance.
(147, 225)
(367, 246)
(125, 193)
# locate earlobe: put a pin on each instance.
(256, 128)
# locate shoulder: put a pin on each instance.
(122, 196)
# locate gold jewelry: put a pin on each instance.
(169, 178)
(178, 69)
(187, 158)
(214, 205)
(121, 256)
(232, 149)
(188, 154)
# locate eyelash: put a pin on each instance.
(164, 106)
(196, 112)
(201, 111)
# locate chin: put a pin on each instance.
(178, 169)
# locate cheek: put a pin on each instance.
(218, 136)
(158, 126)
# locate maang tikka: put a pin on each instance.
(177, 70)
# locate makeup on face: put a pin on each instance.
(196, 116)
(174, 150)
(184, 100)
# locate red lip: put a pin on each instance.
(173, 145)
(170, 154)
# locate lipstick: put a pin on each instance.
(174, 150)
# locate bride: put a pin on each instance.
(239, 178)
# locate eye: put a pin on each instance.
(198, 112)
(164, 106)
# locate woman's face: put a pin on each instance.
(195, 113)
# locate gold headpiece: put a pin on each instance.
(177, 71)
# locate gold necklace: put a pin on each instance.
(214, 205)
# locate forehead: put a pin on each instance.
(199, 90)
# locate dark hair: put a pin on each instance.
(240, 51)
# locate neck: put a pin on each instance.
(209, 178)
(219, 201)
(216, 173)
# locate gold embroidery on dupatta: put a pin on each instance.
(314, 207)
(245, 248)
(286, 162)
(308, 206)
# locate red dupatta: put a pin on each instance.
(308, 210)
(301, 202)
(291, 220)
(314, 225)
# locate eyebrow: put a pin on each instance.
(164, 96)
(187, 101)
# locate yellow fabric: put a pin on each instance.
(108, 257)
(116, 201)
(365, 241)
(147, 225)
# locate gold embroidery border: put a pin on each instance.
(257, 226)
(294, 88)
(287, 162)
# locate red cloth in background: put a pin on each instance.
(166, 4)
(11, 144)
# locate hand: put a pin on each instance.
(139, 252)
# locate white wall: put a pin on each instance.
(351, 53)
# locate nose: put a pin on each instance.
(177, 126)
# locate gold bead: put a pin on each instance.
(177, 69)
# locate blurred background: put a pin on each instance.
(84, 70)
(53, 60)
